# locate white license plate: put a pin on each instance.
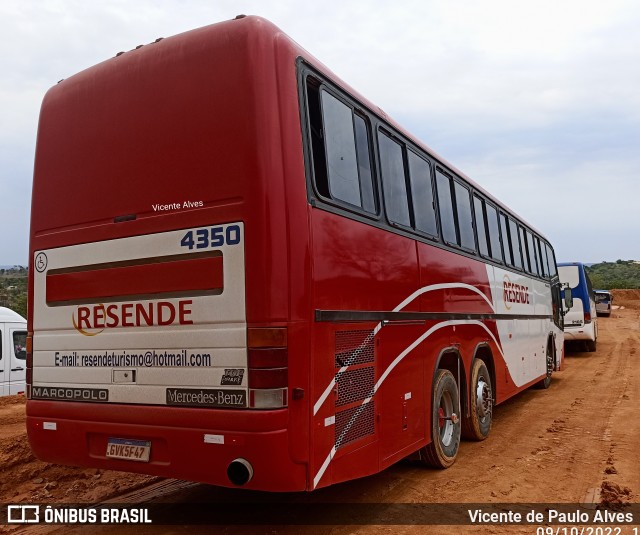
(131, 450)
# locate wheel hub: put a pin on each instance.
(483, 398)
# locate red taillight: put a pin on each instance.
(261, 337)
(268, 378)
(267, 355)
(268, 358)
(587, 317)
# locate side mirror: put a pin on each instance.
(568, 298)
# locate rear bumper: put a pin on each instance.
(177, 436)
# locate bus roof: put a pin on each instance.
(169, 57)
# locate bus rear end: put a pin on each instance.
(153, 218)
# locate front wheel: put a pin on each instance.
(478, 424)
(544, 383)
(445, 422)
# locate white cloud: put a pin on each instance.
(513, 93)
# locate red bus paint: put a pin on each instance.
(321, 328)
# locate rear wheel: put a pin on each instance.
(445, 423)
(591, 345)
(478, 424)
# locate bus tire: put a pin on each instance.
(445, 422)
(544, 383)
(477, 425)
(591, 345)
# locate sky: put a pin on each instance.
(538, 102)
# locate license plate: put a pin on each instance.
(131, 450)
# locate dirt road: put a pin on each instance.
(575, 442)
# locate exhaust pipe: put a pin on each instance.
(240, 472)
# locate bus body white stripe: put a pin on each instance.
(324, 467)
(389, 369)
(412, 297)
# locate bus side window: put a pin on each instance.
(340, 148)
(481, 226)
(506, 242)
(465, 221)
(544, 270)
(551, 260)
(494, 233)
(365, 170)
(515, 244)
(445, 207)
(394, 184)
(533, 258)
(424, 208)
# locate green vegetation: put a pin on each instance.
(623, 274)
(13, 289)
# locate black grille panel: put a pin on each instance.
(354, 423)
(354, 347)
(354, 385)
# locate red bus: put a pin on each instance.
(244, 273)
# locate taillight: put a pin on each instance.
(268, 379)
(587, 317)
(29, 362)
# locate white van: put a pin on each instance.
(13, 352)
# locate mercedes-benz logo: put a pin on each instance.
(41, 262)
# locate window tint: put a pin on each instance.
(340, 149)
(506, 242)
(523, 250)
(342, 163)
(393, 180)
(515, 244)
(422, 194)
(479, 211)
(465, 221)
(20, 344)
(533, 257)
(552, 261)
(445, 207)
(546, 258)
(494, 233)
(542, 261)
(364, 163)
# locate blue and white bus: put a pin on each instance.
(580, 321)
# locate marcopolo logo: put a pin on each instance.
(514, 293)
(97, 395)
(91, 320)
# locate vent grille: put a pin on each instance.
(354, 423)
(354, 347)
(354, 385)
(353, 419)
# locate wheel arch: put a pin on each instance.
(450, 359)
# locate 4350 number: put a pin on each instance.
(205, 238)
